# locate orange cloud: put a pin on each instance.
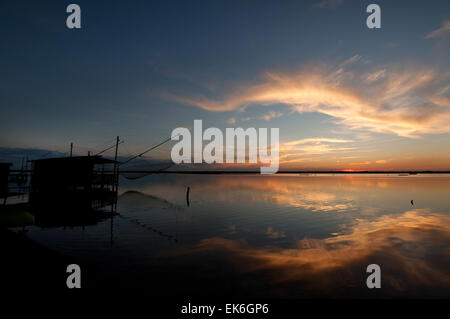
(295, 151)
(441, 32)
(271, 115)
(374, 76)
(406, 102)
(231, 120)
(317, 140)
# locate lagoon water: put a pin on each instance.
(282, 236)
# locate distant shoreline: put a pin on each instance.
(258, 172)
(283, 172)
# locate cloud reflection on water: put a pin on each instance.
(412, 249)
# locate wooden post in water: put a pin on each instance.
(116, 174)
(187, 195)
(71, 149)
(115, 189)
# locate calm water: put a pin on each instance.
(269, 236)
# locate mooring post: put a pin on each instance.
(116, 174)
(187, 195)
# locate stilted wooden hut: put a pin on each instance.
(79, 183)
(4, 180)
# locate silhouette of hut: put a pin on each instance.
(73, 183)
(4, 180)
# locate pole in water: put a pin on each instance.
(116, 175)
(71, 149)
(187, 195)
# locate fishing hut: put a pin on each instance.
(4, 180)
(75, 184)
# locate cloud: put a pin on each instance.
(317, 140)
(231, 120)
(374, 76)
(406, 101)
(351, 60)
(328, 4)
(361, 163)
(271, 115)
(443, 31)
(295, 151)
(266, 117)
(18, 156)
(275, 234)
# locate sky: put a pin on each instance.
(343, 96)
